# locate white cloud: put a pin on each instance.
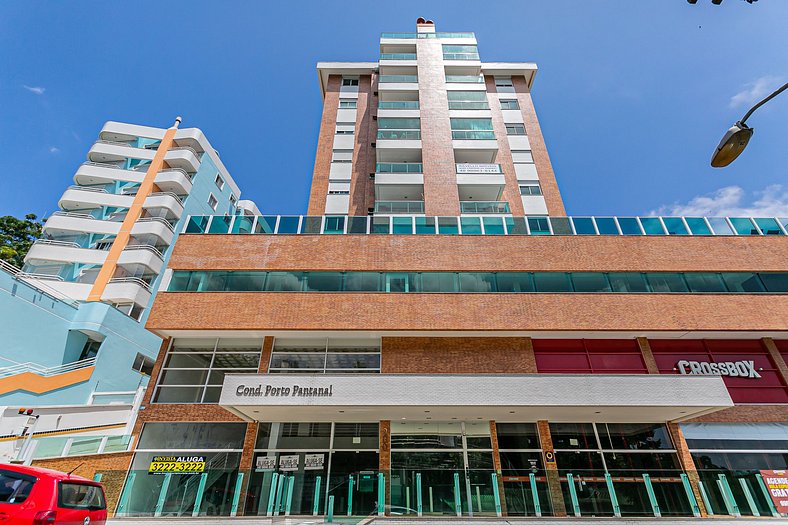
(731, 201)
(755, 91)
(35, 89)
(53, 149)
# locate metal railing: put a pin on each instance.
(461, 56)
(52, 242)
(23, 277)
(107, 165)
(168, 193)
(115, 143)
(399, 167)
(159, 220)
(87, 188)
(462, 104)
(186, 148)
(146, 247)
(73, 214)
(135, 280)
(45, 371)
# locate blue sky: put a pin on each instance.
(632, 95)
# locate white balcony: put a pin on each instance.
(384, 62)
(64, 223)
(170, 179)
(82, 198)
(134, 256)
(398, 86)
(481, 179)
(167, 202)
(480, 150)
(46, 250)
(398, 113)
(127, 289)
(183, 157)
(394, 179)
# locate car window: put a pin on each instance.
(79, 496)
(15, 487)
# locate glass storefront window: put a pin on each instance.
(517, 436)
(573, 436)
(634, 436)
(188, 436)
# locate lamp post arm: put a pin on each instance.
(762, 102)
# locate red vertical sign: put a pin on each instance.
(777, 484)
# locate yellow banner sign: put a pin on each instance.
(177, 465)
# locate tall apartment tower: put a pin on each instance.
(112, 236)
(431, 129)
(102, 255)
(436, 338)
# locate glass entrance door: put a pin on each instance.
(441, 469)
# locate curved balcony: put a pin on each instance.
(169, 179)
(142, 255)
(69, 223)
(166, 201)
(82, 198)
(183, 157)
(47, 250)
(127, 289)
(110, 151)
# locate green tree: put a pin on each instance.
(16, 237)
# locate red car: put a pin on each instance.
(39, 496)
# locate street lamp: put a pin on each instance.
(736, 138)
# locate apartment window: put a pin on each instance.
(509, 104)
(503, 82)
(472, 128)
(143, 364)
(522, 156)
(350, 82)
(347, 104)
(530, 189)
(219, 181)
(399, 128)
(345, 128)
(194, 369)
(515, 129)
(233, 200)
(454, 52)
(325, 356)
(212, 202)
(468, 100)
(342, 155)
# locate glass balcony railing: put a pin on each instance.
(472, 135)
(384, 207)
(529, 225)
(398, 56)
(465, 79)
(398, 104)
(399, 134)
(427, 35)
(399, 167)
(461, 56)
(402, 79)
(461, 104)
(484, 207)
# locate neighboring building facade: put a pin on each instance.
(74, 316)
(435, 337)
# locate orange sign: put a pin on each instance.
(777, 484)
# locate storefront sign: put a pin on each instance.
(265, 463)
(777, 484)
(288, 463)
(177, 465)
(314, 461)
(284, 391)
(727, 368)
(478, 168)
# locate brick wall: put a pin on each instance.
(362, 188)
(478, 253)
(552, 197)
(441, 195)
(112, 467)
(511, 192)
(457, 355)
(325, 147)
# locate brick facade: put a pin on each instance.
(457, 355)
(362, 188)
(325, 147)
